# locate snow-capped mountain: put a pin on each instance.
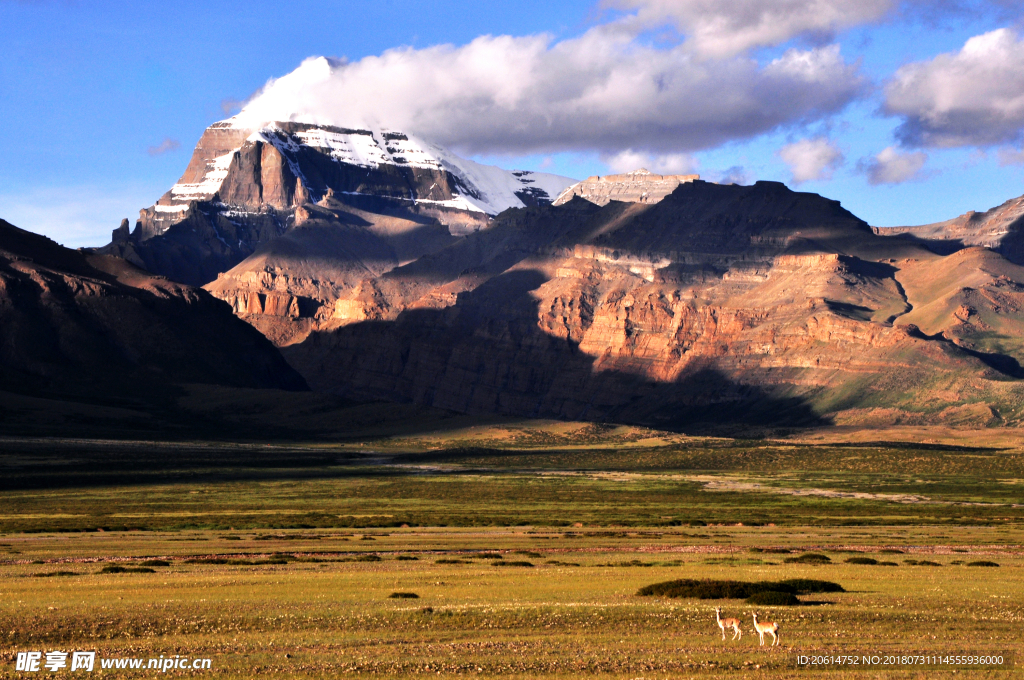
(356, 162)
(246, 181)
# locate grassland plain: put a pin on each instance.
(281, 558)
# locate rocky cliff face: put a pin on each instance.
(717, 303)
(88, 324)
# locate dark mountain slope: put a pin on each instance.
(87, 324)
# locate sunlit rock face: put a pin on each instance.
(716, 304)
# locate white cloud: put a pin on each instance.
(664, 164)
(164, 147)
(811, 159)
(724, 28)
(602, 91)
(893, 167)
(734, 175)
(1009, 156)
(974, 97)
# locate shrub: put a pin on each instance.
(368, 558)
(891, 551)
(447, 561)
(487, 556)
(808, 558)
(772, 551)
(513, 563)
(406, 557)
(115, 569)
(773, 598)
(982, 563)
(861, 560)
(803, 586)
(46, 574)
(528, 553)
(922, 563)
(155, 563)
(888, 564)
(404, 596)
(738, 590)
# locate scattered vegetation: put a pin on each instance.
(983, 563)
(404, 596)
(861, 560)
(117, 569)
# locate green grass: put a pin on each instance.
(324, 619)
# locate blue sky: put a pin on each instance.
(102, 102)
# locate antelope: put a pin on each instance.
(728, 623)
(762, 628)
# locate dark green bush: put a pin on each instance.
(861, 560)
(922, 563)
(406, 557)
(803, 586)
(736, 590)
(513, 563)
(808, 558)
(46, 574)
(115, 569)
(982, 563)
(155, 563)
(773, 598)
(404, 596)
(448, 561)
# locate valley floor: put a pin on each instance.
(525, 545)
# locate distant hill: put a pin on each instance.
(1000, 229)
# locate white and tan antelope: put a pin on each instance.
(762, 628)
(728, 623)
